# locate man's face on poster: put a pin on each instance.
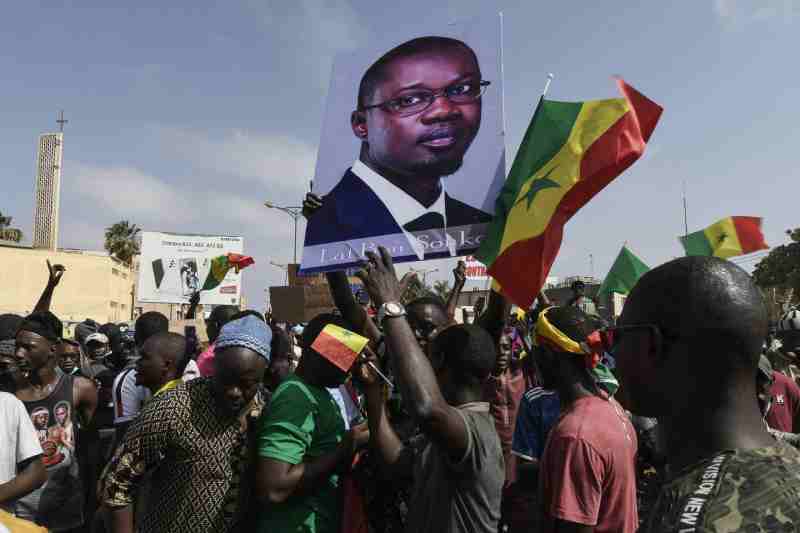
(41, 419)
(433, 141)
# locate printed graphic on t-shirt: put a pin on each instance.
(56, 434)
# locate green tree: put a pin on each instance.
(441, 288)
(7, 232)
(781, 268)
(416, 289)
(122, 241)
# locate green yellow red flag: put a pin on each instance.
(729, 237)
(339, 346)
(570, 152)
(220, 266)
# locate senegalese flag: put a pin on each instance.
(570, 152)
(339, 346)
(220, 266)
(624, 273)
(726, 238)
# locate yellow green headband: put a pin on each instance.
(546, 333)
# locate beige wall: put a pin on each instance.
(94, 286)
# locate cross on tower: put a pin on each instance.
(61, 121)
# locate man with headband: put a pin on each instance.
(58, 505)
(587, 479)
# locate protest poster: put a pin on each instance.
(173, 266)
(412, 153)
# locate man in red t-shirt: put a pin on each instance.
(785, 409)
(587, 477)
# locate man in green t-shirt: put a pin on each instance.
(687, 348)
(302, 446)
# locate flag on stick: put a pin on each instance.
(624, 273)
(570, 152)
(339, 346)
(220, 266)
(726, 238)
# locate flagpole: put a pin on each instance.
(547, 84)
(685, 217)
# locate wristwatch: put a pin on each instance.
(390, 310)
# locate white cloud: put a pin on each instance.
(275, 161)
(741, 12)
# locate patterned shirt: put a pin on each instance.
(198, 455)
(741, 490)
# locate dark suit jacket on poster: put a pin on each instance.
(353, 211)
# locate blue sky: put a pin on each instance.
(187, 118)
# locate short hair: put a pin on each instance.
(317, 324)
(149, 324)
(44, 324)
(248, 312)
(376, 73)
(572, 322)
(9, 324)
(114, 335)
(222, 314)
(469, 352)
(709, 302)
(280, 345)
(429, 300)
(174, 344)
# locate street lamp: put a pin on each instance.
(293, 211)
(424, 274)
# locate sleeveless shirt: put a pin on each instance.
(58, 504)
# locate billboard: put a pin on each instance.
(476, 271)
(173, 266)
(412, 153)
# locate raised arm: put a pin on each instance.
(413, 372)
(460, 278)
(193, 303)
(493, 319)
(340, 287)
(54, 278)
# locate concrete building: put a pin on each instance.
(94, 285)
(48, 189)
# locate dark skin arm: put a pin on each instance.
(415, 376)
(460, 278)
(85, 393)
(493, 320)
(32, 475)
(382, 435)
(55, 274)
(340, 286)
(277, 481)
(193, 303)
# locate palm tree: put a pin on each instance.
(122, 241)
(441, 288)
(7, 232)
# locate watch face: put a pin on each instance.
(394, 308)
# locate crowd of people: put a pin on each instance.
(682, 416)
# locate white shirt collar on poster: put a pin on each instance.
(402, 206)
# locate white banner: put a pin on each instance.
(172, 267)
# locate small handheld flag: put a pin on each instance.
(624, 273)
(339, 346)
